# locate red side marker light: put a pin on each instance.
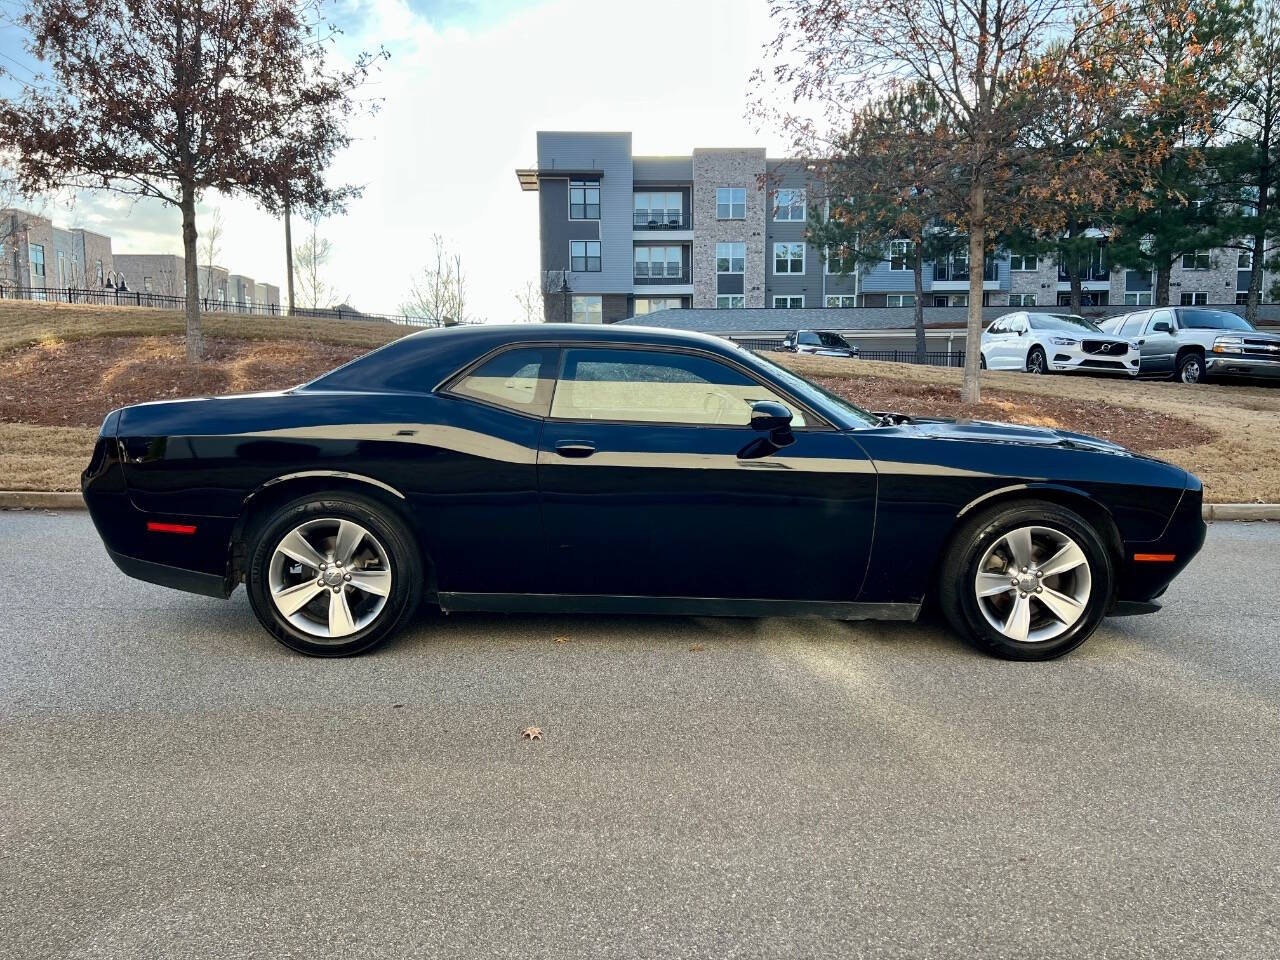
(154, 527)
(1154, 557)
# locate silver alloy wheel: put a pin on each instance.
(1033, 584)
(1191, 370)
(1036, 362)
(329, 578)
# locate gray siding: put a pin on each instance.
(678, 169)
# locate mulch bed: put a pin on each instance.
(76, 383)
(1137, 428)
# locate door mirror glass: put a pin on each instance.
(769, 416)
(1161, 326)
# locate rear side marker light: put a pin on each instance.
(1154, 557)
(154, 527)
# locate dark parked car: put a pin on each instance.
(821, 343)
(1192, 343)
(626, 470)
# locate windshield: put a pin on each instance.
(1062, 321)
(833, 340)
(1212, 320)
(811, 393)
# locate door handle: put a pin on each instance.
(575, 449)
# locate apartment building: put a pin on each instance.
(164, 274)
(623, 235)
(35, 253)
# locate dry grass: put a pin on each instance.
(24, 323)
(43, 458)
(1240, 463)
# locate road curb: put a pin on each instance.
(49, 500)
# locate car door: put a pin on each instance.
(653, 484)
(1008, 344)
(1158, 344)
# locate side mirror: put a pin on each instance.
(1161, 326)
(773, 418)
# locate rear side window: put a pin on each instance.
(520, 379)
(643, 386)
(810, 339)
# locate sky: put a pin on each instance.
(467, 85)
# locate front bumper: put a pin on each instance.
(1077, 362)
(1235, 365)
(1140, 580)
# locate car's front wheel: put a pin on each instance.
(334, 574)
(1026, 581)
(1037, 362)
(1191, 368)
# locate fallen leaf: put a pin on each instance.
(696, 648)
(562, 639)
(532, 733)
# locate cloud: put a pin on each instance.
(467, 87)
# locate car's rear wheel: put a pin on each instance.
(334, 574)
(1191, 368)
(1036, 361)
(1026, 581)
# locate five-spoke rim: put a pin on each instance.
(1033, 584)
(1191, 371)
(329, 578)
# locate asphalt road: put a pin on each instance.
(174, 784)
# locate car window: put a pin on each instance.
(1213, 320)
(521, 379)
(833, 340)
(1062, 322)
(809, 338)
(1157, 317)
(650, 386)
(1133, 324)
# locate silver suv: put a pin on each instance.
(1190, 343)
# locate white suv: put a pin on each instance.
(1055, 343)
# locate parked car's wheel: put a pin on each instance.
(1191, 368)
(1036, 361)
(334, 574)
(1026, 581)
(982, 361)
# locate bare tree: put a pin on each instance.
(439, 292)
(210, 247)
(529, 300)
(311, 261)
(990, 64)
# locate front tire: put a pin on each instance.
(1037, 363)
(1191, 369)
(334, 574)
(1026, 581)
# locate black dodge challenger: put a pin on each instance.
(625, 470)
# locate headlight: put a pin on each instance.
(1228, 345)
(1065, 342)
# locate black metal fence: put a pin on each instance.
(108, 296)
(932, 358)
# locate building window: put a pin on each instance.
(1244, 261)
(790, 205)
(646, 305)
(588, 310)
(788, 258)
(899, 254)
(788, 303)
(1242, 297)
(584, 199)
(1198, 299)
(100, 274)
(146, 284)
(841, 301)
(732, 301)
(584, 256)
(656, 210)
(840, 260)
(654, 262)
(1195, 261)
(1023, 263)
(62, 269)
(1141, 299)
(731, 257)
(36, 252)
(900, 300)
(731, 203)
(1022, 299)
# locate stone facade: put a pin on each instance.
(99, 263)
(713, 168)
(1218, 283)
(1042, 282)
(163, 274)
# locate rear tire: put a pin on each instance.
(334, 574)
(1025, 616)
(1037, 363)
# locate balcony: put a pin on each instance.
(662, 281)
(1097, 272)
(956, 271)
(662, 220)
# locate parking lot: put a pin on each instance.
(175, 784)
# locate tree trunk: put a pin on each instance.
(918, 270)
(1077, 291)
(970, 393)
(1161, 298)
(1254, 296)
(288, 255)
(191, 270)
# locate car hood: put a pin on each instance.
(993, 432)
